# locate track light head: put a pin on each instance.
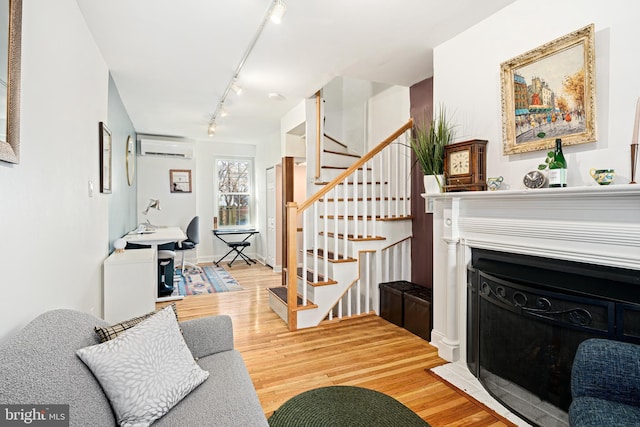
(237, 89)
(212, 129)
(277, 12)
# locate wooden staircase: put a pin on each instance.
(351, 235)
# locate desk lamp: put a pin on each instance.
(153, 204)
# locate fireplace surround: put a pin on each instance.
(591, 225)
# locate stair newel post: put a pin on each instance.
(316, 220)
(292, 263)
(305, 255)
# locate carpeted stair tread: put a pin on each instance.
(281, 293)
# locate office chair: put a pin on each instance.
(193, 238)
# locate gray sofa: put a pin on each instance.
(605, 384)
(39, 366)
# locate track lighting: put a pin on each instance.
(277, 12)
(237, 89)
(274, 13)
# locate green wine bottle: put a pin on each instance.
(558, 167)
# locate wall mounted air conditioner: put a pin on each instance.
(166, 148)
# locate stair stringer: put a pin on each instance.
(347, 273)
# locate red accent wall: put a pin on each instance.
(421, 99)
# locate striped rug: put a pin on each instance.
(211, 280)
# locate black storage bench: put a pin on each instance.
(417, 312)
(392, 300)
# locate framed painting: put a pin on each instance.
(180, 180)
(10, 43)
(549, 93)
(105, 159)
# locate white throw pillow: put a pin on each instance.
(146, 370)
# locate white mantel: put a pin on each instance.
(598, 225)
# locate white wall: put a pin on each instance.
(54, 235)
(296, 116)
(467, 81)
(176, 209)
(388, 111)
(268, 155)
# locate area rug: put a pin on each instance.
(211, 280)
(344, 406)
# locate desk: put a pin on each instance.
(159, 236)
(237, 245)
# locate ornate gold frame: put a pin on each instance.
(10, 149)
(540, 140)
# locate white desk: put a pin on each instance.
(159, 236)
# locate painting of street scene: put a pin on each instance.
(549, 93)
(549, 97)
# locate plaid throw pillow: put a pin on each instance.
(110, 332)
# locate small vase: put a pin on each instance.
(431, 186)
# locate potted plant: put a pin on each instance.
(427, 142)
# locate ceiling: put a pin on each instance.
(172, 60)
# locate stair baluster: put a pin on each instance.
(305, 257)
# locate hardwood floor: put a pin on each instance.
(366, 351)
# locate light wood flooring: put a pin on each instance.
(366, 351)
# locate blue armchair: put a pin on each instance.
(605, 384)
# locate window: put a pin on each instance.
(235, 196)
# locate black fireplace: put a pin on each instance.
(527, 315)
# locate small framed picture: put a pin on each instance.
(180, 180)
(105, 159)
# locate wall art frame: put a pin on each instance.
(549, 92)
(10, 143)
(106, 155)
(180, 180)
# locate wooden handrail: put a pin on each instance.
(307, 203)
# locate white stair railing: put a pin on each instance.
(375, 186)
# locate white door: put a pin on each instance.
(271, 217)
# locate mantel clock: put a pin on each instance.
(465, 165)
